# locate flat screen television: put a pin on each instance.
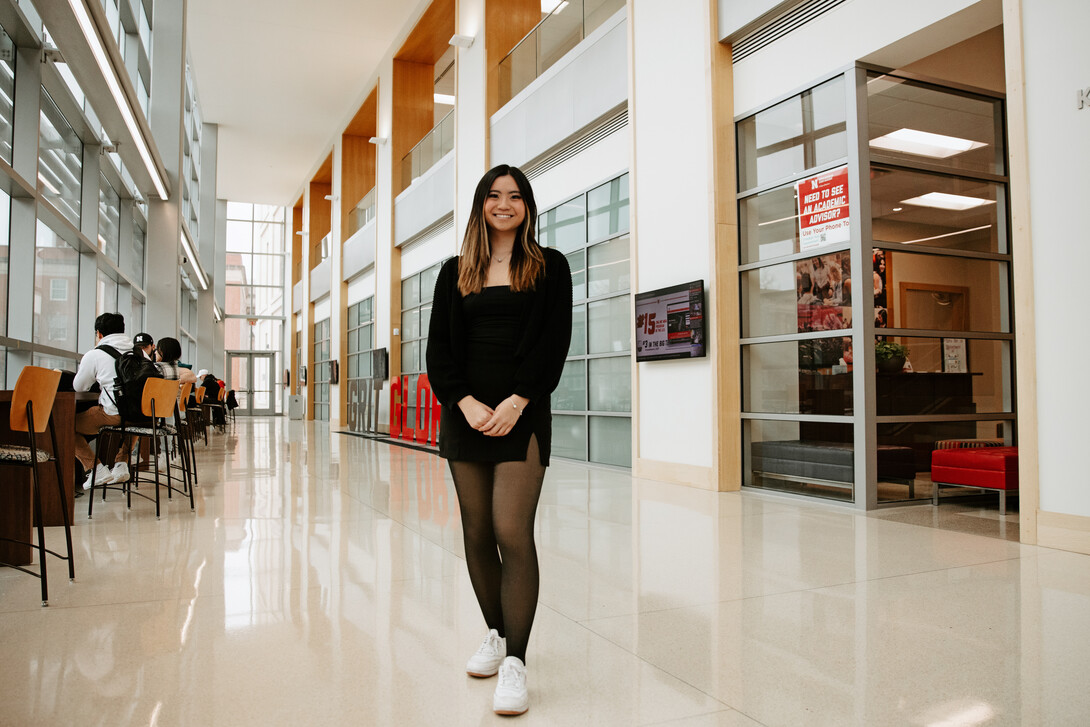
(670, 322)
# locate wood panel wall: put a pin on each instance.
(357, 176)
(413, 112)
(506, 23)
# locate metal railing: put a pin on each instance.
(557, 33)
(435, 145)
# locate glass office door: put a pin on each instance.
(251, 377)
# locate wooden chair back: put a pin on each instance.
(38, 386)
(223, 395)
(162, 394)
(183, 395)
(200, 395)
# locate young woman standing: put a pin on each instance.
(499, 333)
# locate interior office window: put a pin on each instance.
(60, 161)
(361, 338)
(7, 94)
(593, 403)
(109, 219)
(417, 292)
(321, 370)
(56, 263)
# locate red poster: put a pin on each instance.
(823, 209)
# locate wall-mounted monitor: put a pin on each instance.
(670, 322)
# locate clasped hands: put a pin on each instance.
(493, 422)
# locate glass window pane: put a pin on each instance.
(353, 316)
(610, 325)
(410, 356)
(798, 377)
(578, 346)
(608, 209)
(105, 294)
(240, 236)
(944, 293)
(570, 436)
(611, 440)
(797, 134)
(564, 227)
(109, 219)
(916, 122)
(607, 267)
(768, 225)
(796, 297)
(240, 211)
(812, 458)
(410, 324)
(60, 156)
(7, 94)
(269, 237)
(610, 384)
(578, 265)
(427, 283)
(5, 232)
(936, 210)
(948, 376)
(56, 290)
(410, 292)
(136, 264)
(571, 393)
(425, 320)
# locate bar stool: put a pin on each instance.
(159, 400)
(34, 393)
(184, 422)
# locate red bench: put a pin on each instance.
(982, 468)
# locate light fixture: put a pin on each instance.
(924, 143)
(110, 75)
(461, 41)
(552, 6)
(377, 140)
(331, 198)
(301, 233)
(444, 98)
(216, 312)
(898, 209)
(944, 201)
(948, 234)
(193, 260)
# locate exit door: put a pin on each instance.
(251, 376)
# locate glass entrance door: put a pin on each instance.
(251, 376)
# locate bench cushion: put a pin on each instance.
(993, 468)
(828, 460)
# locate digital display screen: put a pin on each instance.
(670, 322)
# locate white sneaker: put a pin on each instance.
(120, 472)
(486, 662)
(101, 474)
(511, 696)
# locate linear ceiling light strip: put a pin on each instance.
(83, 17)
(193, 259)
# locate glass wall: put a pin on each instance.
(942, 271)
(255, 278)
(416, 296)
(940, 292)
(7, 94)
(322, 357)
(361, 341)
(592, 406)
(60, 161)
(56, 290)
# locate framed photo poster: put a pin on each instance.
(955, 356)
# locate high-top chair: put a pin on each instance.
(160, 400)
(195, 414)
(186, 431)
(32, 412)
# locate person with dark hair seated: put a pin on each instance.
(98, 367)
(169, 351)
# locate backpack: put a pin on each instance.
(128, 390)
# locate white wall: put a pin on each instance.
(600, 162)
(673, 206)
(1057, 64)
(889, 32)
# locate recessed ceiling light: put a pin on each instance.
(944, 201)
(444, 98)
(924, 143)
(898, 209)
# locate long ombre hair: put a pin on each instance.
(527, 261)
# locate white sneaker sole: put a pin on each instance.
(512, 711)
(483, 675)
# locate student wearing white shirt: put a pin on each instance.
(98, 366)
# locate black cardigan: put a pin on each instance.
(539, 356)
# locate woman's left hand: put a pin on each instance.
(505, 416)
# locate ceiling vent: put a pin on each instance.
(571, 147)
(780, 26)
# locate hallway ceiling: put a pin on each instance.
(280, 77)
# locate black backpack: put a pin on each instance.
(128, 390)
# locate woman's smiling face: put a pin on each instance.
(504, 208)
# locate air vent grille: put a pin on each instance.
(780, 26)
(560, 154)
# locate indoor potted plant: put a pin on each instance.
(890, 357)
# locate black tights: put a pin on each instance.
(498, 501)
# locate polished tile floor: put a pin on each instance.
(321, 582)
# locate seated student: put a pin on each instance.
(169, 351)
(97, 366)
(144, 344)
(211, 393)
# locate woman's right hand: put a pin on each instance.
(476, 413)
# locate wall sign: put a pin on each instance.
(823, 209)
(1083, 98)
